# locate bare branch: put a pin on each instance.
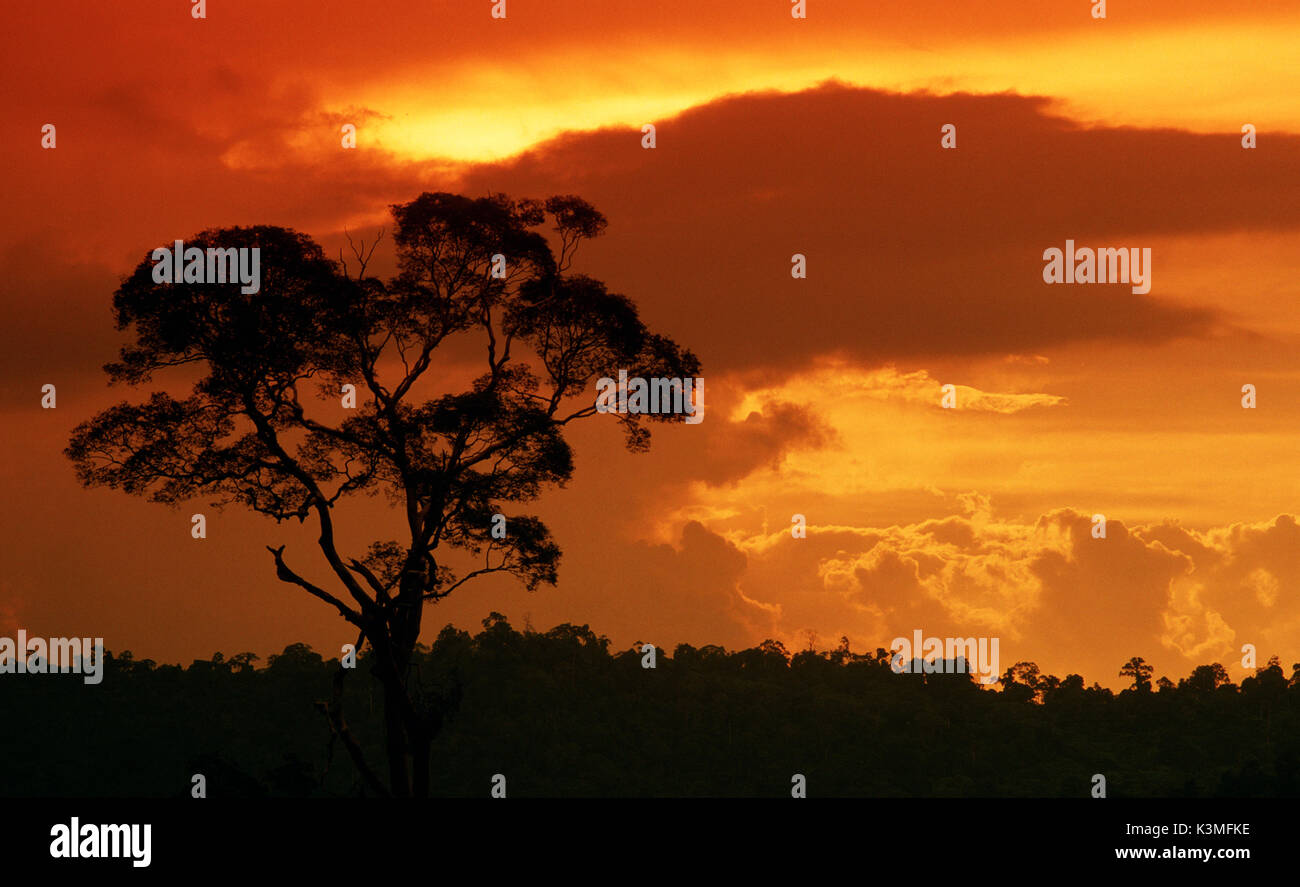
(285, 574)
(333, 712)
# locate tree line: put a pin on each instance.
(558, 713)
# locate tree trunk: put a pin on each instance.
(399, 744)
(409, 738)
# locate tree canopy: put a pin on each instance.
(474, 273)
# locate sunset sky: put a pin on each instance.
(775, 136)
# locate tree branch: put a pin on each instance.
(333, 712)
(285, 574)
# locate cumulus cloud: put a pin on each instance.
(1052, 591)
(686, 593)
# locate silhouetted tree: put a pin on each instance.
(1020, 682)
(1205, 678)
(448, 462)
(1138, 669)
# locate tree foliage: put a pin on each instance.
(447, 457)
(563, 713)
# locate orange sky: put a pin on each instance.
(775, 136)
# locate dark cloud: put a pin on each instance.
(913, 251)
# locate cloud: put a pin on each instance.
(686, 593)
(1051, 591)
(913, 252)
(732, 449)
(836, 379)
